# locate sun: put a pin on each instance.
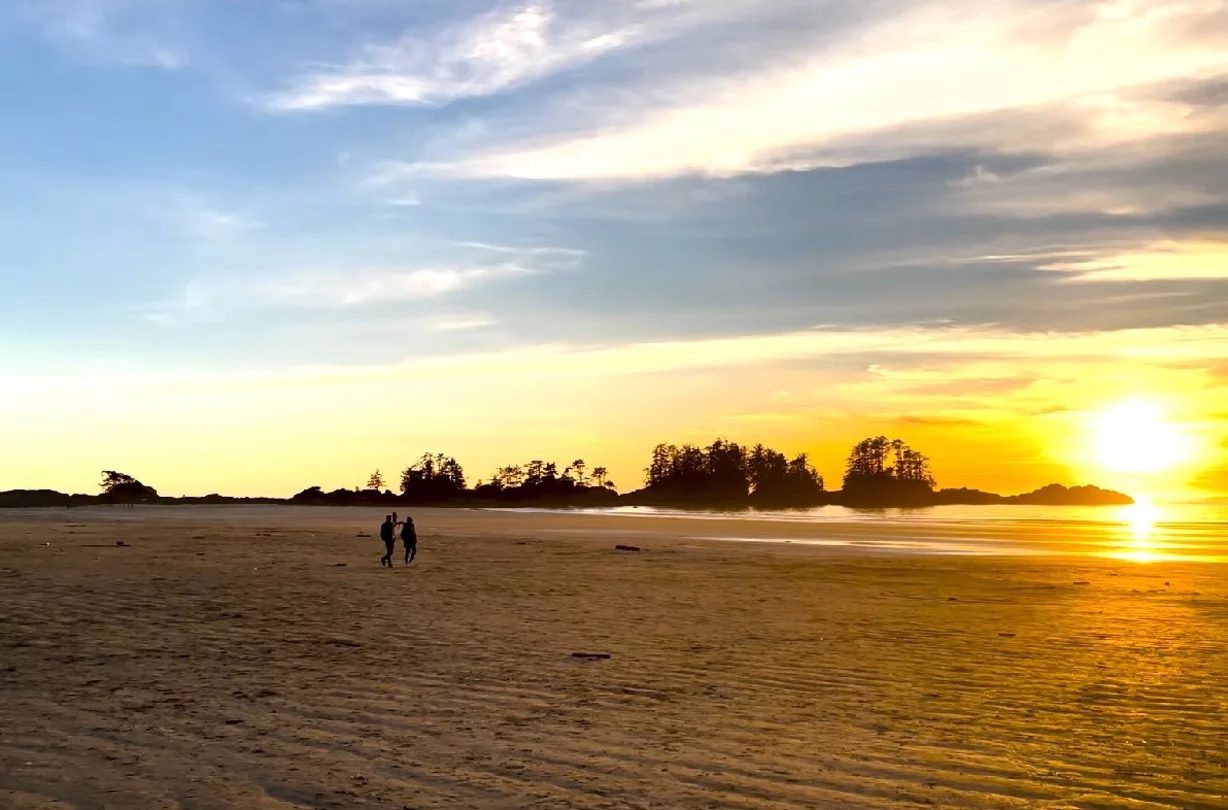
(1136, 437)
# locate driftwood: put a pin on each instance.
(626, 548)
(591, 656)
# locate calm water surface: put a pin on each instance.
(1143, 532)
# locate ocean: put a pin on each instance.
(1143, 532)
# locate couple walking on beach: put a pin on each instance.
(409, 538)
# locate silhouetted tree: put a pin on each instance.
(113, 481)
(376, 481)
(679, 470)
(879, 468)
(119, 487)
(720, 471)
(576, 471)
(775, 480)
(540, 480)
(727, 472)
(433, 478)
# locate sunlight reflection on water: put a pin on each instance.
(1140, 518)
(1155, 533)
(1144, 532)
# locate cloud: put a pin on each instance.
(210, 298)
(507, 47)
(1164, 261)
(326, 288)
(211, 224)
(424, 271)
(354, 288)
(481, 56)
(937, 75)
(460, 323)
(1165, 173)
(1180, 346)
(560, 253)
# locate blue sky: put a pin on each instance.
(215, 191)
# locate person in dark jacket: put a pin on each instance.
(387, 533)
(410, 538)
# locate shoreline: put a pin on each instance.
(83, 501)
(943, 531)
(592, 497)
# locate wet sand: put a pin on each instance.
(261, 658)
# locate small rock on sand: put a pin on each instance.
(627, 548)
(591, 656)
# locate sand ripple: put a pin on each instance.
(225, 661)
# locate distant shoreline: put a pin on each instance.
(1052, 495)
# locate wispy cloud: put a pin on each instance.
(481, 56)
(563, 253)
(323, 288)
(211, 224)
(435, 270)
(983, 352)
(934, 75)
(460, 322)
(508, 46)
(382, 285)
(1171, 261)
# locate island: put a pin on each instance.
(880, 473)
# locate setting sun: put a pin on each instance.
(1136, 437)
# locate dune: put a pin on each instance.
(259, 657)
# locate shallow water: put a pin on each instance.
(1143, 532)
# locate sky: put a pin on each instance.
(254, 247)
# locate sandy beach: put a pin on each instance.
(261, 658)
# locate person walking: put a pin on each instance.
(410, 538)
(387, 533)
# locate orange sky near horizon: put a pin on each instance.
(996, 410)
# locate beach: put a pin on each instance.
(260, 657)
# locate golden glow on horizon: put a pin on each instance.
(1136, 437)
(993, 409)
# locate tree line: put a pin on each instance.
(879, 472)
(439, 478)
(722, 473)
(725, 471)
